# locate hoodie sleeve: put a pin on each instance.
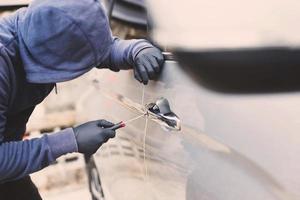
(123, 52)
(18, 159)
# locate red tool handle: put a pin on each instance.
(118, 126)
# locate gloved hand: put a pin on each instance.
(147, 63)
(91, 135)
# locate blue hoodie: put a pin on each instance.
(50, 41)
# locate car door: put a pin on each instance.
(231, 146)
(170, 152)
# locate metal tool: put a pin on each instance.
(134, 119)
(118, 126)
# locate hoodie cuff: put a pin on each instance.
(62, 142)
(123, 53)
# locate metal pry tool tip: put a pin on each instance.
(118, 126)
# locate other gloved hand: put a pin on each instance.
(91, 135)
(147, 64)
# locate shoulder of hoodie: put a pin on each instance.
(8, 39)
(9, 27)
(8, 47)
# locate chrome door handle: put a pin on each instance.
(161, 112)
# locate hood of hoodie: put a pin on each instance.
(61, 40)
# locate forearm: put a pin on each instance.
(123, 52)
(22, 158)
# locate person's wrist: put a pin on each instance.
(62, 142)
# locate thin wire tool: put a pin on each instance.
(134, 119)
(140, 116)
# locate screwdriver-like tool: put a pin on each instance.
(118, 126)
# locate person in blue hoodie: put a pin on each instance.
(53, 41)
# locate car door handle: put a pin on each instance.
(161, 112)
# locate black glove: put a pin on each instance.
(91, 135)
(147, 64)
